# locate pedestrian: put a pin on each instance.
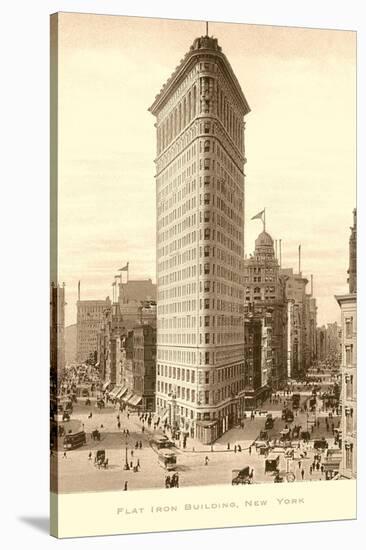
(167, 482)
(127, 432)
(251, 475)
(317, 466)
(322, 469)
(250, 449)
(125, 487)
(235, 448)
(140, 445)
(118, 424)
(143, 429)
(299, 463)
(90, 456)
(138, 463)
(131, 452)
(128, 415)
(311, 470)
(228, 446)
(206, 460)
(302, 473)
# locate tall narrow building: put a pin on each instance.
(348, 305)
(200, 241)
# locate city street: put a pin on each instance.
(77, 471)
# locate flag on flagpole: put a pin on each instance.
(125, 268)
(258, 216)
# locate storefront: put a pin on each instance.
(207, 431)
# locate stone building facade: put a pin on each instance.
(90, 318)
(297, 353)
(265, 300)
(57, 330)
(348, 305)
(136, 299)
(200, 239)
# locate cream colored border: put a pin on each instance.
(110, 513)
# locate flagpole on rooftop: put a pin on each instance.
(264, 219)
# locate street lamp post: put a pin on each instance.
(126, 466)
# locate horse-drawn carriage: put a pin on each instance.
(100, 460)
(95, 435)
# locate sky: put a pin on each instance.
(300, 145)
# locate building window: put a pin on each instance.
(349, 355)
(207, 358)
(207, 338)
(206, 147)
(349, 455)
(207, 127)
(206, 198)
(206, 164)
(349, 327)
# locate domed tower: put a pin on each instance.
(264, 247)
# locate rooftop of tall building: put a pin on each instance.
(200, 44)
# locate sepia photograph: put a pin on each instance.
(203, 254)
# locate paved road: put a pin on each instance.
(77, 473)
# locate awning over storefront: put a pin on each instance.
(122, 390)
(127, 396)
(114, 392)
(106, 385)
(134, 400)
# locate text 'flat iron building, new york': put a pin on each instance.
(200, 244)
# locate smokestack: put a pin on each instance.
(79, 291)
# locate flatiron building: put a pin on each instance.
(200, 160)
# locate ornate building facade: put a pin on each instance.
(265, 301)
(90, 319)
(348, 305)
(200, 240)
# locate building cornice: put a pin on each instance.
(346, 298)
(172, 83)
